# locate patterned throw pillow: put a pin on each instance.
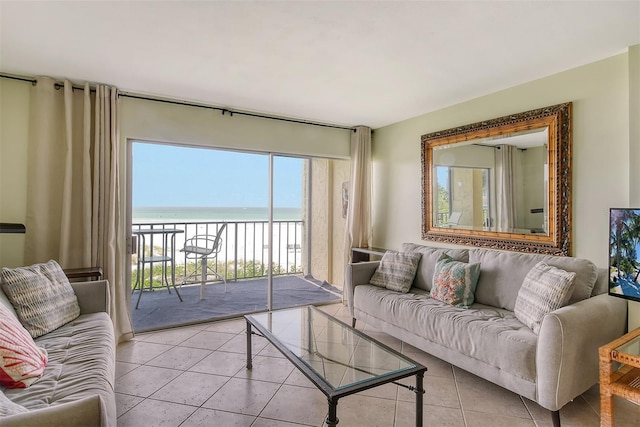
(41, 295)
(396, 270)
(544, 289)
(455, 282)
(21, 361)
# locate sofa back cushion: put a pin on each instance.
(427, 264)
(602, 282)
(5, 302)
(502, 274)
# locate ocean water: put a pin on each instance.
(198, 213)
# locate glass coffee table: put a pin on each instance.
(337, 358)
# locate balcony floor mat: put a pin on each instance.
(160, 309)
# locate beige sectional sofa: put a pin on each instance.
(77, 387)
(551, 367)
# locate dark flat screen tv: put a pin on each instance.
(624, 253)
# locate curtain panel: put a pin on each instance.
(505, 186)
(358, 229)
(73, 188)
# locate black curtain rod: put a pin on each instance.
(497, 147)
(232, 112)
(22, 79)
(170, 101)
(56, 85)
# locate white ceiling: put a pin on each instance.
(344, 62)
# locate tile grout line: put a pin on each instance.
(182, 371)
(455, 381)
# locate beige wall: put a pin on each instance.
(14, 133)
(601, 145)
(634, 152)
(340, 171)
(327, 224)
(320, 220)
(162, 122)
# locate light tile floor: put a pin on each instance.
(196, 376)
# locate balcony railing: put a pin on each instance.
(243, 254)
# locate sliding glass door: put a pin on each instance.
(217, 233)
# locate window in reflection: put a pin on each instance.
(463, 197)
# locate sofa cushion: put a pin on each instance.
(503, 273)
(396, 270)
(7, 407)
(490, 335)
(41, 295)
(545, 289)
(22, 362)
(427, 264)
(454, 282)
(81, 365)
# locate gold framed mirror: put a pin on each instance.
(503, 183)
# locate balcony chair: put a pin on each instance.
(454, 219)
(204, 247)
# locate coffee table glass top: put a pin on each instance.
(631, 347)
(335, 352)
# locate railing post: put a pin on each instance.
(235, 249)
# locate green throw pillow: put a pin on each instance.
(454, 282)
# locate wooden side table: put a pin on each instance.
(624, 381)
(364, 254)
(88, 273)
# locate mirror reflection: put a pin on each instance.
(499, 183)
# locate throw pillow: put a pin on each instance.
(544, 289)
(454, 282)
(396, 270)
(21, 361)
(41, 296)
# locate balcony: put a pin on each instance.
(243, 261)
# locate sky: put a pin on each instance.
(170, 175)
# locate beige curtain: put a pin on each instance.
(505, 187)
(358, 232)
(73, 192)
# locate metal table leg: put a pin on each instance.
(332, 418)
(249, 363)
(419, 393)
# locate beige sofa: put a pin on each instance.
(77, 388)
(550, 368)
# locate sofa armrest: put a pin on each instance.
(568, 343)
(358, 273)
(93, 297)
(84, 412)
